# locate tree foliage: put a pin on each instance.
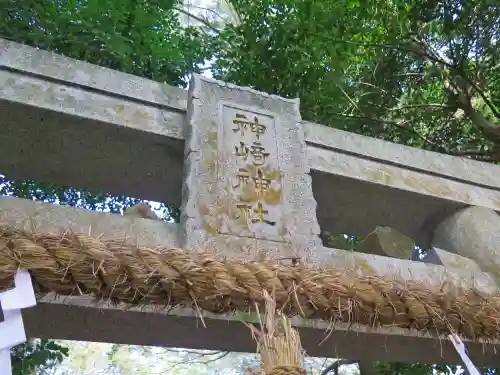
(422, 73)
(37, 355)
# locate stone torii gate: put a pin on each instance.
(252, 179)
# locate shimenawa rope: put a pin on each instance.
(72, 263)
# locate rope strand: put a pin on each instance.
(72, 264)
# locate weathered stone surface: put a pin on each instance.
(63, 125)
(74, 126)
(246, 169)
(448, 259)
(28, 215)
(474, 234)
(21, 58)
(373, 192)
(82, 318)
(73, 135)
(399, 177)
(447, 166)
(386, 241)
(141, 210)
(39, 217)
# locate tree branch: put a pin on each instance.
(399, 125)
(208, 10)
(482, 95)
(420, 49)
(428, 105)
(374, 45)
(426, 53)
(197, 360)
(199, 19)
(412, 74)
(334, 366)
(488, 126)
(463, 102)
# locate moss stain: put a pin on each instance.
(212, 140)
(390, 177)
(362, 264)
(140, 116)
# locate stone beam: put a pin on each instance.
(471, 233)
(65, 120)
(81, 318)
(432, 163)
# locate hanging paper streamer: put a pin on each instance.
(462, 352)
(11, 327)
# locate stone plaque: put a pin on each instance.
(246, 171)
(248, 142)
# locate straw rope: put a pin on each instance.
(278, 342)
(287, 370)
(77, 264)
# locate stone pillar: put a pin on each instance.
(470, 236)
(247, 186)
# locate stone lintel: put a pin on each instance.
(359, 182)
(71, 134)
(448, 259)
(27, 215)
(81, 318)
(371, 192)
(423, 161)
(28, 61)
(54, 67)
(43, 217)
